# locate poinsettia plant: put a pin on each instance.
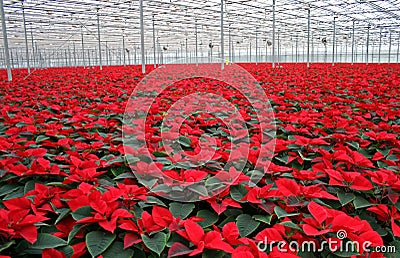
(67, 187)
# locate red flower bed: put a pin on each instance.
(67, 189)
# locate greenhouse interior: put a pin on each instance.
(219, 128)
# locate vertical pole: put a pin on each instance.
(278, 59)
(197, 53)
(98, 35)
(273, 33)
(142, 36)
(65, 57)
(250, 52)
(83, 48)
(33, 50)
(233, 53)
(256, 46)
(26, 40)
(334, 41)
(123, 48)
(74, 54)
(308, 37)
(312, 58)
(107, 56)
(5, 40)
(154, 45)
(229, 43)
(186, 51)
(380, 45)
(291, 40)
(352, 45)
(222, 35)
(134, 55)
(398, 49)
(390, 46)
(297, 49)
(69, 57)
(367, 52)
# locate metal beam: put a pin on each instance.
(5, 40)
(308, 36)
(273, 34)
(142, 36)
(99, 40)
(26, 40)
(222, 36)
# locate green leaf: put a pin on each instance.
(282, 213)
(82, 213)
(8, 188)
(355, 145)
(181, 210)
(63, 212)
(97, 242)
(19, 192)
(199, 189)
(116, 250)
(209, 217)
(74, 231)
(6, 245)
(156, 243)
(153, 200)
(290, 225)
(345, 198)
(237, 192)
(67, 250)
(160, 154)
(124, 175)
(360, 202)
(262, 218)
(41, 138)
(246, 224)
(45, 241)
(184, 141)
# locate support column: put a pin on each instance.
(75, 64)
(26, 40)
(352, 45)
(197, 53)
(308, 36)
(222, 36)
(5, 41)
(390, 45)
(123, 47)
(366, 56)
(256, 46)
(380, 45)
(334, 41)
(142, 36)
(99, 40)
(229, 44)
(398, 49)
(83, 48)
(154, 46)
(186, 51)
(273, 33)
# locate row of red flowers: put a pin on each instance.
(67, 189)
